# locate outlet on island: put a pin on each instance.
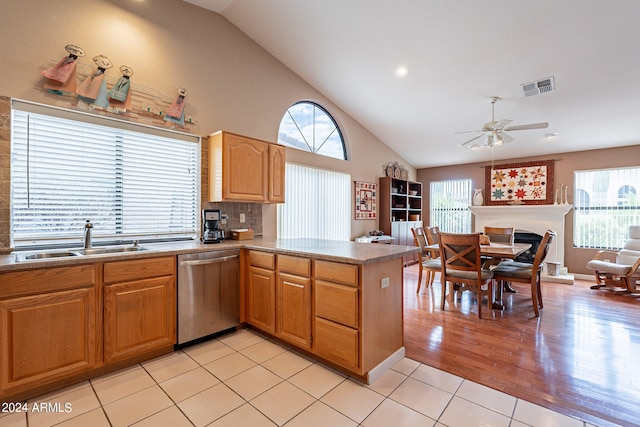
(242, 218)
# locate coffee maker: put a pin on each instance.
(210, 231)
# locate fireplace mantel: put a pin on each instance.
(532, 218)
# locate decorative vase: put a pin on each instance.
(478, 198)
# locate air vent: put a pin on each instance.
(536, 88)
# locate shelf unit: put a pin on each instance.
(400, 204)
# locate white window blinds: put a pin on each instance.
(318, 204)
(131, 181)
(449, 201)
(606, 202)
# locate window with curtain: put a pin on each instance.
(449, 205)
(318, 204)
(133, 182)
(606, 203)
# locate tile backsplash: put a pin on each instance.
(251, 211)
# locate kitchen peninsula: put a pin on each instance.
(340, 302)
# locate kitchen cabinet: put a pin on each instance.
(293, 300)
(400, 211)
(48, 326)
(337, 313)
(244, 169)
(139, 307)
(261, 292)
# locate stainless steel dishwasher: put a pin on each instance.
(208, 293)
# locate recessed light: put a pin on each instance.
(550, 135)
(401, 71)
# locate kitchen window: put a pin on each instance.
(132, 181)
(318, 204)
(449, 202)
(606, 203)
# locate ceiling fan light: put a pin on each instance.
(497, 139)
(489, 141)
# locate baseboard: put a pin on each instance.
(384, 366)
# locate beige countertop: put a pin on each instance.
(330, 250)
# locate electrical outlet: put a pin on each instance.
(384, 283)
(223, 219)
(242, 218)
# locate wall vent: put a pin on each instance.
(541, 86)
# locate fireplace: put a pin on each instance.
(530, 219)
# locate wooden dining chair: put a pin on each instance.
(500, 234)
(460, 255)
(429, 264)
(521, 272)
(433, 238)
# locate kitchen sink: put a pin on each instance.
(32, 256)
(108, 250)
(45, 255)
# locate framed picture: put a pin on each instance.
(365, 200)
(529, 183)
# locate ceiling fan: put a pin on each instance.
(494, 131)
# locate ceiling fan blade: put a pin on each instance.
(505, 137)
(489, 126)
(500, 124)
(468, 131)
(529, 126)
(471, 140)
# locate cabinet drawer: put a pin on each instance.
(337, 343)
(294, 265)
(337, 272)
(124, 271)
(337, 303)
(262, 259)
(47, 279)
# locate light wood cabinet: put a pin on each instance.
(293, 300)
(48, 326)
(261, 292)
(244, 169)
(337, 320)
(139, 307)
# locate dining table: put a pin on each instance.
(499, 251)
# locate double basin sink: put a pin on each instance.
(32, 256)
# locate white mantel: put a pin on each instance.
(529, 218)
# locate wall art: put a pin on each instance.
(529, 183)
(365, 200)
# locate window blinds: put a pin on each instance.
(606, 202)
(318, 204)
(131, 181)
(449, 201)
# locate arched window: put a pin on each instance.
(625, 195)
(309, 127)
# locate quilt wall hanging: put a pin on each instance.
(365, 200)
(528, 183)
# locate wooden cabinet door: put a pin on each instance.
(245, 169)
(276, 173)
(337, 343)
(293, 309)
(139, 316)
(46, 337)
(262, 299)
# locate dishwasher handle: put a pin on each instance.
(207, 261)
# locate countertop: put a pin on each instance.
(330, 250)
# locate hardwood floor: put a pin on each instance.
(581, 357)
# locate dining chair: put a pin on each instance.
(521, 272)
(433, 238)
(429, 264)
(500, 234)
(460, 256)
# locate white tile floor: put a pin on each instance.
(243, 379)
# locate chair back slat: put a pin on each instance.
(460, 251)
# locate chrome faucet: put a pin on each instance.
(87, 234)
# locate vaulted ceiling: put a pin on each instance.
(458, 54)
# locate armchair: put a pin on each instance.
(619, 269)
